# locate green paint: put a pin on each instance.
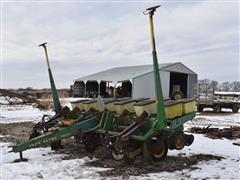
(56, 101)
(158, 87)
(64, 133)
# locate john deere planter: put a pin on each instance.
(125, 127)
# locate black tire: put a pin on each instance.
(216, 109)
(177, 141)
(159, 149)
(200, 108)
(189, 139)
(235, 109)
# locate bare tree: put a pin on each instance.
(226, 86)
(235, 86)
(214, 85)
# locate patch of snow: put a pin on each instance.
(220, 120)
(21, 113)
(43, 163)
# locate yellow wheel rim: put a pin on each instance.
(180, 143)
(177, 96)
(159, 155)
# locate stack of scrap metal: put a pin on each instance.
(215, 133)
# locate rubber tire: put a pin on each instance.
(177, 95)
(216, 109)
(175, 138)
(189, 139)
(165, 150)
(200, 108)
(235, 109)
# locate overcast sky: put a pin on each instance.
(85, 38)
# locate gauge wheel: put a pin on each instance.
(159, 150)
(216, 109)
(235, 109)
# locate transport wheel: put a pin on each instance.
(217, 109)
(159, 150)
(235, 108)
(117, 155)
(56, 145)
(200, 108)
(179, 140)
(177, 95)
(189, 139)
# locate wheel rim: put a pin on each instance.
(159, 149)
(117, 155)
(177, 96)
(179, 142)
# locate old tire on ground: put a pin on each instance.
(177, 95)
(216, 109)
(235, 109)
(56, 145)
(159, 149)
(200, 108)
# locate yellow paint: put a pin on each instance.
(171, 111)
(189, 107)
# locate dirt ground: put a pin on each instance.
(19, 132)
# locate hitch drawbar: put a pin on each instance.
(48, 138)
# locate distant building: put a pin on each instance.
(137, 81)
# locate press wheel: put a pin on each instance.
(159, 149)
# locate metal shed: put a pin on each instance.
(140, 79)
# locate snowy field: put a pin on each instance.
(46, 164)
